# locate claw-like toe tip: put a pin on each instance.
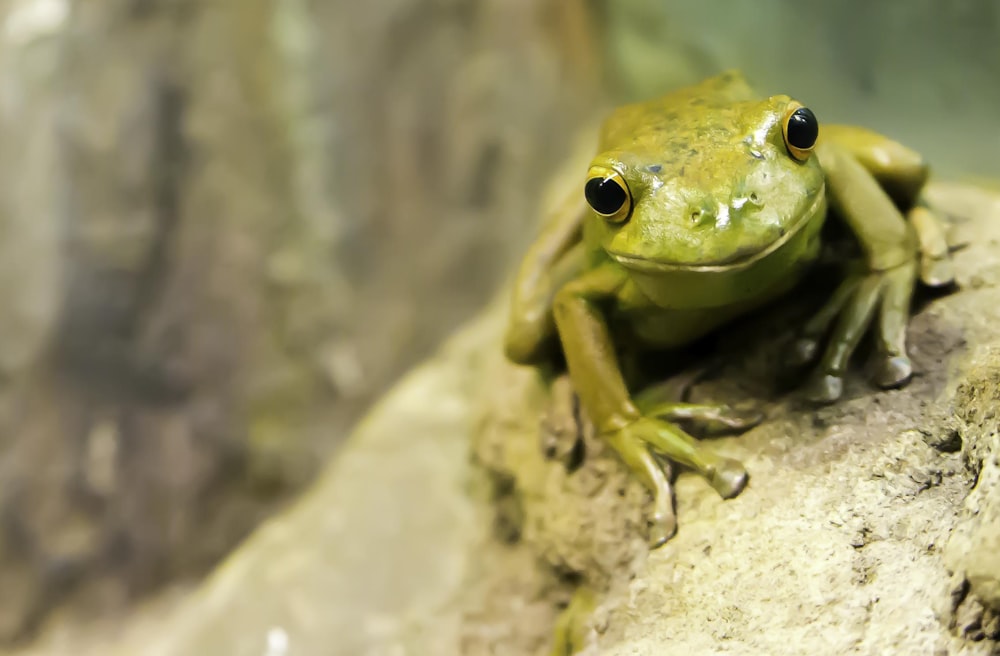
(663, 528)
(894, 371)
(824, 388)
(803, 351)
(729, 478)
(937, 273)
(745, 418)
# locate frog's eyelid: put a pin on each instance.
(805, 128)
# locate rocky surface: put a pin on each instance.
(191, 317)
(857, 533)
(449, 526)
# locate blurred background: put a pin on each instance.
(226, 226)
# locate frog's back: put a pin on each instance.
(691, 110)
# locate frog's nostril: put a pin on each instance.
(751, 201)
(701, 215)
(704, 216)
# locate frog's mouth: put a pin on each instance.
(741, 262)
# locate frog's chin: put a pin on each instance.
(649, 265)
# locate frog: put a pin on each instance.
(699, 207)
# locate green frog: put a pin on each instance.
(699, 207)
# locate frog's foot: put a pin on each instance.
(727, 476)
(936, 268)
(561, 428)
(855, 304)
(637, 456)
(807, 346)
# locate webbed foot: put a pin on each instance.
(636, 441)
(881, 297)
(562, 434)
(638, 458)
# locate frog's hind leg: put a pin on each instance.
(555, 258)
(869, 178)
(902, 172)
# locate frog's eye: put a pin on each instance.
(801, 130)
(607, 193)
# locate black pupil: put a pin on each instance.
(802, 128)
(605, 195)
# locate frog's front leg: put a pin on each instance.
(596, 375)
(884, 284)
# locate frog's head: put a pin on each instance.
(712, 188)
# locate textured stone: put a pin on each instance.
(855, 536)
(974, 547)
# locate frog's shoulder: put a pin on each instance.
(681, 108)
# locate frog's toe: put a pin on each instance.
(740, 419)
(729, 477)
(803, 351)
(709, 419)
(893, 371)
(936, 269)
(937, 272)
(824, 388)
(663, 526)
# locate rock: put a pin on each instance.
(855, 536)
(372, 559)
(974, 547)
(839, 543)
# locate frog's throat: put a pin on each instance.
(648, 265)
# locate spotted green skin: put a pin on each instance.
(723, 220)
(713, 187)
